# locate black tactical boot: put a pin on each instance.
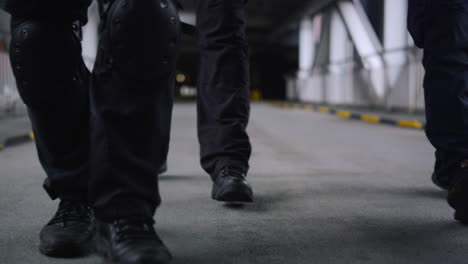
(131, 241)
(230, 185)
(70, 232)
(458, 193)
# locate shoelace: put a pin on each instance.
(71, 211)
(233, 172)
(135, 229)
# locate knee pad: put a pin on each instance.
(143, 37)
(45, 58)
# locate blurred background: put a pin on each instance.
(354, 54)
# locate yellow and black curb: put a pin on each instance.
(351, 115)
(17, 140)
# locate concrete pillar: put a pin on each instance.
(395, 32)
(395, 41)
(339, 84)
(339, 43)
(306, 47)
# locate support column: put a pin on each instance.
(395, 40)
(339, 82)
(310, 84)
(339, 44)
(306, 47)
(395, 32)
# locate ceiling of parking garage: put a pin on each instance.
(266, 18)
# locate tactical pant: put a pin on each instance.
(100, 136)
(440, 27)
(223, 85)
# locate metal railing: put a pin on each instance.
(352, 86)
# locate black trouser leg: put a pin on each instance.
(441, 28)
(52, 81)
(446, 93)
(131, 103)
(223, 85)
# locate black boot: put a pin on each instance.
(131, 241)
(458, 193)
(230, 185)
(70, 232)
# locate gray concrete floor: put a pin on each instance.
(14, 126)
(328, 190)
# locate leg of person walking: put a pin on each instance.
(131, 103)
(223, 97)
(441, 29)
(53, 82)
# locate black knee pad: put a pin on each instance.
(143, 37)
(45, 58)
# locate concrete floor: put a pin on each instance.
(13, 127)
(328, 190)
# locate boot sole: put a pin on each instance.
(67, 251)
(102, 248)
(235, 193)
